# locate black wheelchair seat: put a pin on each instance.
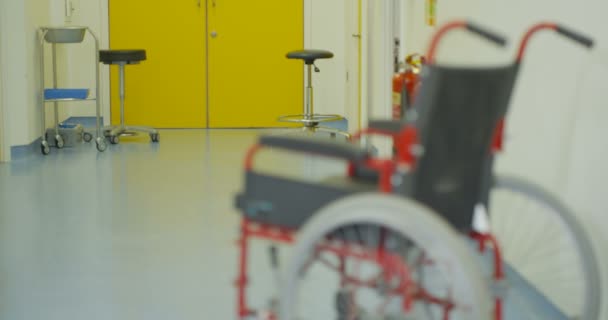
(289, 202)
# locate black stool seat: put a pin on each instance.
(309, 56)
(117, 56)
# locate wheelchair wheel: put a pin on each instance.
(543, 242)
(360, 258)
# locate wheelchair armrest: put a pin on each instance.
(389, 126)
(323, 147)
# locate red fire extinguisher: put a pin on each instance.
(405, 85)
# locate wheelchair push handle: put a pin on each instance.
(471, 27)
(560, 29)
(574, 36)
(487, 34)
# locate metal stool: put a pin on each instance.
(123, 58)
(309, 119)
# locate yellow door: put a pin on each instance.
(234, 74)
(251, 83)
(168, 90)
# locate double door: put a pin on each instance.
(211, 63)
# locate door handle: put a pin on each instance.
(198, 3)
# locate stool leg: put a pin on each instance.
(308, 105)
(114, 132)
(121, 84)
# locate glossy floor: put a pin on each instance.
(141, 231)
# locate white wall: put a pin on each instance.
(80, 72)
(13, 64)
(556, 127)
(20, 65)
(377, 64)
(377, 59)
(325, 29)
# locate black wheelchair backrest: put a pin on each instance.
(458, 111)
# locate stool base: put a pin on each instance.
(311, 131)
(311, 123)
(310, 120)
(114, 132)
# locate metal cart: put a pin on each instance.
(65, 35)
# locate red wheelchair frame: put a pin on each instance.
(404, 142)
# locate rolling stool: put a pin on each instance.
(309, 119)
(123, 58)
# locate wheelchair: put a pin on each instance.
(430, 232)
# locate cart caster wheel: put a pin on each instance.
(87, 137)
(154, 137)
(59, 143)
(101, 145)
(44, 147)
(114, 139)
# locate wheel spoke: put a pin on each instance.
(541, 240)
(387, 274)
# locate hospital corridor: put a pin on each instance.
(303, 159)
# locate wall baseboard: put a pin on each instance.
(25, 151)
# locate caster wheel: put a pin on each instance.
(114, 139)
(101, 146)
(59, 143)
(154, 137)
(44, 148)
(87, 137)
(344, 304)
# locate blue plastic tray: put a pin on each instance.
(51, 94)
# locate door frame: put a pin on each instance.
(104, 72)
(354, 64)
(378, 35)
(5, 152)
